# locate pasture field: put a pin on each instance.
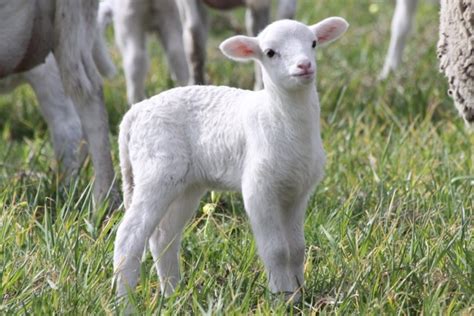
(389, 230)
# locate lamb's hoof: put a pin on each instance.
(289, 297)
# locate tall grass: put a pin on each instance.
(389, 230)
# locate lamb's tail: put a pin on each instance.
(101, 55)
(125, 164)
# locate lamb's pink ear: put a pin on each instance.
(241, 48)
(329, 29)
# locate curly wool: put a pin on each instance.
(456, 53)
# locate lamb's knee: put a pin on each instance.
(297, 254)
(128, 234)
(277, 256)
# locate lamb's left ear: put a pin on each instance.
(329, 29)
(241, 48)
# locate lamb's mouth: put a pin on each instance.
(307, 74)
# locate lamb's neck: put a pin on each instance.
(303, 101)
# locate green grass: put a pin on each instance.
(389, 230)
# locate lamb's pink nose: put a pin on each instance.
(304, 64)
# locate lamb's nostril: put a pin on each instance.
(305, 65)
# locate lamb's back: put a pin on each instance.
(202, 123)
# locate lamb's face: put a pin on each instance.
(286, 50)
(288, 54)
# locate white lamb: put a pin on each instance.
(266, 144)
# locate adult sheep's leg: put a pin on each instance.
(286, 9)
(401, 25)
(58, 110)
(266, 219)
(257, 17)
(130, 35)
(193, 19)
(170, 32)
(74, 23)
(94, 120)
(166, 240)
(11, 82)
(101, 55)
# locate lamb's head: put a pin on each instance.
(286, 50)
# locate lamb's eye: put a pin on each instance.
(270, 53)
(314, 44)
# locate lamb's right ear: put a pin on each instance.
(241, 48)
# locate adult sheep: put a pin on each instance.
(456, 53)
(32, 29)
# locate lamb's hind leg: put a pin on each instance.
(149, 205)
(166, 239)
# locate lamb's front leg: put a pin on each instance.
(294, 229)
(266, 218)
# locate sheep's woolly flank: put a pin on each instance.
(456, 53)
